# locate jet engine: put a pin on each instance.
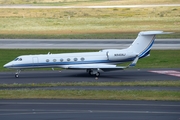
(120, 55)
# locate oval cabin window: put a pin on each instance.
(47, 60)
(54, 60)
(61, 60)
(68, 59)
(75, 59)
(82, 59)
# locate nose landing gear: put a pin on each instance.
(17, 73)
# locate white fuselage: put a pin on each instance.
(67, 59)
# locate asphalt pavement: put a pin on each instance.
(82, 43)
(30, 76)
(63, 76)
(88, 110)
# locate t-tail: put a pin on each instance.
(143, 43)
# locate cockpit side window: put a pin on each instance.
(18, 59)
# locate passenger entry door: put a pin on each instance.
(107, 54)
(35, 60)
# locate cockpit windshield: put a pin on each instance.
(18, 59)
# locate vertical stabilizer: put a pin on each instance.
(143, 43)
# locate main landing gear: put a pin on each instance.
(93, 72)
(17, 73)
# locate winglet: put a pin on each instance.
(134, 61)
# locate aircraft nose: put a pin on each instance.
(8, 65)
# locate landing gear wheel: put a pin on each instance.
(97, 74)
(90, 72)
(93, 73)
(16, 75)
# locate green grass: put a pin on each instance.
(161, 59)
(26, 93)
(90, 94)
(165, 83)
(158, 58)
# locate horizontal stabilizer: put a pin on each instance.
(154, 32)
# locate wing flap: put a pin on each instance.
(90, 66)
(103, 67)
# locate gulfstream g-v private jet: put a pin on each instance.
(92, 62)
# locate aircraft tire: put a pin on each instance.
(16, 76)
(97, 74)
(90, 72)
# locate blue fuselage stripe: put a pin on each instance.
(71, 63)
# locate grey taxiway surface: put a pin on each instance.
(128, 75)
(88, 110)
(82, 76)
(82, 43)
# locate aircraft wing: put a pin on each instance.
(103, 67)
(90, 66)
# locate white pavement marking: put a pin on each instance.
(168, 72)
